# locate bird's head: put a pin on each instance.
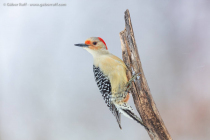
(94, 45)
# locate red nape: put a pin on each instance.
(103, 42)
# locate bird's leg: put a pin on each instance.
(129, 67)
(130, 81)
(128, 88)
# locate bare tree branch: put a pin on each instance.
(142, 97)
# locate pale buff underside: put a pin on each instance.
(115, 69)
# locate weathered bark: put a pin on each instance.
(142, 97)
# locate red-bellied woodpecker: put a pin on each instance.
(110, 76)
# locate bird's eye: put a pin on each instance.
(94, 43)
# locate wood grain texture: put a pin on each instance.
(142, 97)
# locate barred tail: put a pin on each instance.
(126, 110)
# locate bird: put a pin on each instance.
(110, 76)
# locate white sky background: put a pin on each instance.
(47, 88)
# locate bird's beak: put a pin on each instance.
(81, 45)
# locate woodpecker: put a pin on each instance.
(111, 79)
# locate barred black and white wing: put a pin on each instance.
(105, 88)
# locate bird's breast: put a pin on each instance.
(115, 70)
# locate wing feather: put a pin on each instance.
(105, 88)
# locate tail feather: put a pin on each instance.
(126, 110)
(134, 117)
(117, 114)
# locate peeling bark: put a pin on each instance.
(142, 97)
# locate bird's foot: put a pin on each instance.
(128, 85)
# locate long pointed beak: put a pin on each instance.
(81, 45)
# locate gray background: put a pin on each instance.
(47, 88)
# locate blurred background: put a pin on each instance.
(47, 87)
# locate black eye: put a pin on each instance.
(94, 43)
